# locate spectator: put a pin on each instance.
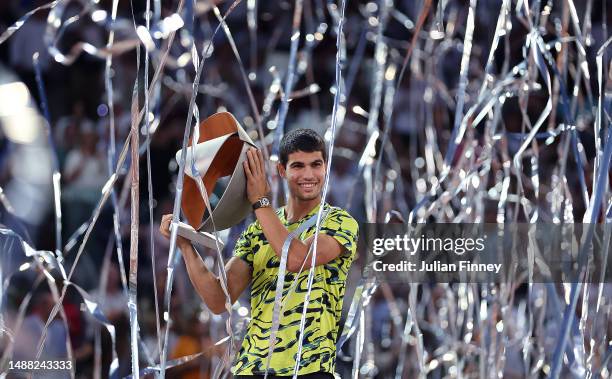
(84, 174)
(26, 340)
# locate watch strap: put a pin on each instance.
(263, 202)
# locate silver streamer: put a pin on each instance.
(179, 188)
(134, 217)
(45, 261)
(321, 212)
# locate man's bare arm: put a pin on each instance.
(274, 230)
(207, 284)
(328, 248)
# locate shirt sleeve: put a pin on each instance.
(340, 225)
(243, 248)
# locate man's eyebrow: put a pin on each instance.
(300, 163)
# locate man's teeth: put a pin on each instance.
(307, 185)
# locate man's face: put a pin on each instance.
(305, 173)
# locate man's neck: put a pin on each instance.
(296, 209)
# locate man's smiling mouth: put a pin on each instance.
(307, 185)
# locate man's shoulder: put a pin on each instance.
(335, 209)
(340, 215)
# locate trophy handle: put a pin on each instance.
(201, 238)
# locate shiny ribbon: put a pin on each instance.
(280, 282)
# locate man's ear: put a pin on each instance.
(281, 170)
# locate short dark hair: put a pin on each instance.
(306, 140)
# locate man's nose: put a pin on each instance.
(308, 173)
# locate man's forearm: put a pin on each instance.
(276, 234)
(205, 282)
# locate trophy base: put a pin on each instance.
(201, 238)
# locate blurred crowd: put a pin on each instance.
(78, 106)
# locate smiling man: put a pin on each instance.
(256, 262)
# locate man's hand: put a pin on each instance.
(206, 284)
(164, 229)
(255, 170)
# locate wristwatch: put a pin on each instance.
(263, 202)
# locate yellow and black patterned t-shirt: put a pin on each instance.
(324, 308)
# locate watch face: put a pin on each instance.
(265, 202)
